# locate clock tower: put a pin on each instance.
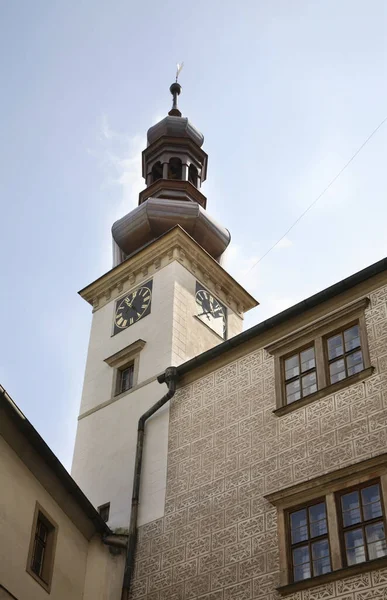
(166, 299)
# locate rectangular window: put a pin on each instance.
(345, 357)
(125, 379)
(300, 375)
(104, 511)
(42, 548)
(331, 351)
(362, 524)
(309, 545)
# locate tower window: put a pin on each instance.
(193, 175)
(175, 168)
(125, 379)
(104, 511)
(157, 171)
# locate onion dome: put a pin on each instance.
(179, 127)
(174, 166)
(174, 125)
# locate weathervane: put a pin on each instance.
(179, 68)
(175, 90)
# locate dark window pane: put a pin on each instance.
(42, 531)
(292, 368)
(309, 384)
(352, 338)
(337, 370)
(320, 549)
(356, 555)
(370, 494)
(301, 572)
(355, 363)
(307, 360)
(350, 500)
(298, 518)
(104, 511)
(127, 379)
(354, 538)
(301, 555)
(37, 558)
(317, 512)
(321, 566)
(299, 535)
(351, 517)
(318, 528)
(377, 549)
(335, 346)
(372, 511)
(293, 391)
(375, 532)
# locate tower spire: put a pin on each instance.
(175, 90)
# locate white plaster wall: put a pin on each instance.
(190, 336)
(105, 450)
(106, 439)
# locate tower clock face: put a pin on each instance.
(133, 307)
(212, 312)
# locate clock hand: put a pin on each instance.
(204, 313)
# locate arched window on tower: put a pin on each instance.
(157, 171)
(175, 168)
(193, 175)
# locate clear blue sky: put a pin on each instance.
(284, 92)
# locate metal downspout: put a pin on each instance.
(169, 377)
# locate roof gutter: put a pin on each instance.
(169, 377)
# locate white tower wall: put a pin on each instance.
(105, 445)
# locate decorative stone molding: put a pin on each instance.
(123, 356)
(176, 244)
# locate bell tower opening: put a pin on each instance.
(157, 172)
(175, 168)
(193, 175)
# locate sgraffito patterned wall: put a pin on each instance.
(218, 538)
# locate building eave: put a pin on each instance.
(30, 435)
(174, 245)
(280, 318)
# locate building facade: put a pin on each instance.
(270, 495)
(166, 299)
(257, 469)
(53, 541)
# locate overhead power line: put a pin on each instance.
(320, 195)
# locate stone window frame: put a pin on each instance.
(40, 514)
(328, 487)
(316, 334)
(121, 360)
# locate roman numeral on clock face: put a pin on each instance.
(133, 307)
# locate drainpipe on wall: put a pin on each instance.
(169, 377)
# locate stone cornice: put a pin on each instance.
(346, 311)
(121, 357)
(175, 245)
(163, 188)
